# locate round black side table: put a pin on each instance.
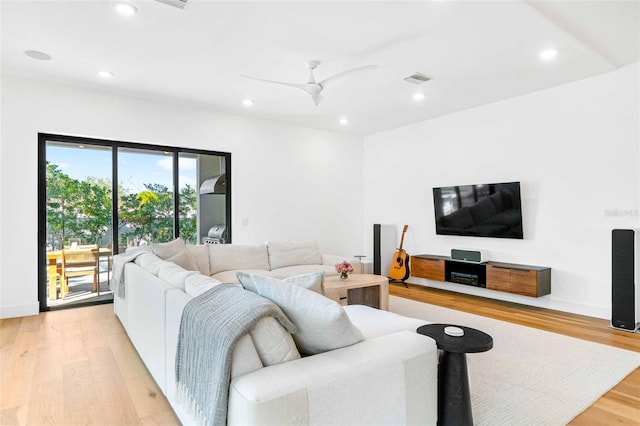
(454, 398)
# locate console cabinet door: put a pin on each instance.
(498, 278)
(513, 280)
(524, 282)
(430, 269)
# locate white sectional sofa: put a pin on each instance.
(389, 377)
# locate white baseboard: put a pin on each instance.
(547, 302)
(19, 310)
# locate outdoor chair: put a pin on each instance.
(78, 262)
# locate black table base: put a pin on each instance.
(454, 396)
(453, 389)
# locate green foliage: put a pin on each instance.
(83, 209)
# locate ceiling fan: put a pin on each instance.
(314, 88)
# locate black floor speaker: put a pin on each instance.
(384, 246)
(624, 276)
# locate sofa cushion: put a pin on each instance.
(184, 260)
(322, 324)
(312, 281)
(167, 250)
(273, 342)
(196, 284)
(149, 262)
(289, 271)
(374, 322)
(230, 276)
(229, 257)
(174, 274)
(291, 253)
(200, 255)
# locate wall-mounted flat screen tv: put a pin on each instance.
(483, 210)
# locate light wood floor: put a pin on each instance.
(77, 366)
(620, 406)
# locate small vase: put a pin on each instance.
(344, 275)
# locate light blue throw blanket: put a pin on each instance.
(210, 327)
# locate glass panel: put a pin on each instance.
(212, 199)
(188, 193)
(78, 203)
(145, 197)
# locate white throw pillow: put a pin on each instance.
(322, 324)
(273, 342)
(166, 250)
(200, 255)
(196, 284)
(312, 281)
(291, 253)
(184, 260)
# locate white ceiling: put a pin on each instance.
(476, 52)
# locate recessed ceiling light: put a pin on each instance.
(344, 121)
(105, 74)
(247, 102)
(548, 54)
(34, 54)
(126, 9)
(418, 96)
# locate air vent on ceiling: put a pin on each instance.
(180, 4)
(417, 78)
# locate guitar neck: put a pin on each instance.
(402, 239)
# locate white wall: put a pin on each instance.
(287, 180)
(575, 150)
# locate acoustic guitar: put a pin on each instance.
(399, 268)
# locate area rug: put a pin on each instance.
(530, 377)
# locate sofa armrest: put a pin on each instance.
(387, 380)
(332, 259)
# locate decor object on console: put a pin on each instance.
(270, 382)
(344, 269)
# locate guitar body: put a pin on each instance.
(399, 268)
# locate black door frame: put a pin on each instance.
(43, 138)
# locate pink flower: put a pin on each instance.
(344, 267)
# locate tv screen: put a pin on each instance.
(484, 210)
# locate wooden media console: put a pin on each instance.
(526, 280)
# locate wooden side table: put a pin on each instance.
(359, 289)
(454, 397)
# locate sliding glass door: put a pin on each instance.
(145, 197)
(78, 222)
(94, 192)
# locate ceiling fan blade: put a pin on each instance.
(296, 85)
(341, 76)
(317, 98)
